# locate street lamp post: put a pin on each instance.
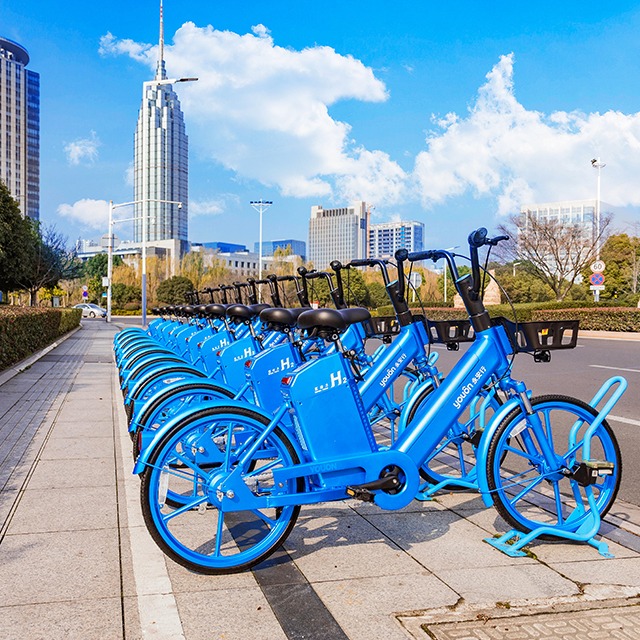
(596, 164)
(143, 278)
(260, 206)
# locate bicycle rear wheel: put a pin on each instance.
(181, 502)
(532, 490)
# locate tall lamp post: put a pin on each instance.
(260, 206)
(144, 249)
(596, 164)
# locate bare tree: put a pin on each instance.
(550, 250)
(49, 261)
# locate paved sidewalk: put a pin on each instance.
(77, 561)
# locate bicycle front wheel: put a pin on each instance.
(182, 506)
(531, 465)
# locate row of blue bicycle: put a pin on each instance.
(241, 412)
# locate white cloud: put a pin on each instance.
(83, 150)
(501, 149)
(112, 46)
(206, 207)
(263, 111)
(91, 213)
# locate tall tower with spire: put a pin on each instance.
(161, 165)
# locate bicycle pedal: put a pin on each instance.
(358, 493)
(587, 472)
(389, 483)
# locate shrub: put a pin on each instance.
(592, 318)
(24, 330)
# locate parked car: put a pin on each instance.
(90, 310)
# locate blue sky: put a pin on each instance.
(453, 114)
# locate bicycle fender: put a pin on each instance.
(483, 448)
(143, 458)
(144, 378)
(415, 396)
(174, 388)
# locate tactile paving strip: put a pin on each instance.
(618, 623)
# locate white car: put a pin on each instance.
(90, 310)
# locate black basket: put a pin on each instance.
(547, 335)
(382, 327)
(450, 332)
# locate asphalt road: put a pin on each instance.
(580, 372)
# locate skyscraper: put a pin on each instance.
(338, 234)
(20, 127)
(161, 164)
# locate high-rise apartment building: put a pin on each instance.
(161, 164)
(338, 234)
(387, 237)
(20, 127)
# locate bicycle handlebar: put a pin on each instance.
(372, 262)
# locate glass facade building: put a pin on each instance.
(298, 247)
(20, 127)
(161, 165)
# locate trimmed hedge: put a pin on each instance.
(25, 330)
(591, 318)
(606, 319)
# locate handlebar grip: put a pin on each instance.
(366, 262)
(494, 241)
(285, 278)
(314, 274)
(478, 238)
(429, 254)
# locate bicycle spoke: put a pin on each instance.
(187, 507)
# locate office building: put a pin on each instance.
(338, 234)
(20, 127)
(161, 162)
(387, 237)
(581, 213)
(298, 247)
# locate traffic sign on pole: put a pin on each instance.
(597, 266)
(596, 279)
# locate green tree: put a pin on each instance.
(356, 292)
(124, 294)
(174, 290)
(621, 255)
(15, 241)
(97, 266)
(378, 296)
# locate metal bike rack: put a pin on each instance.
(512, 542)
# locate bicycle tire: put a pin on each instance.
(241, 539)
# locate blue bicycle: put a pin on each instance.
(549, 463)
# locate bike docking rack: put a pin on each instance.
(586, 473)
